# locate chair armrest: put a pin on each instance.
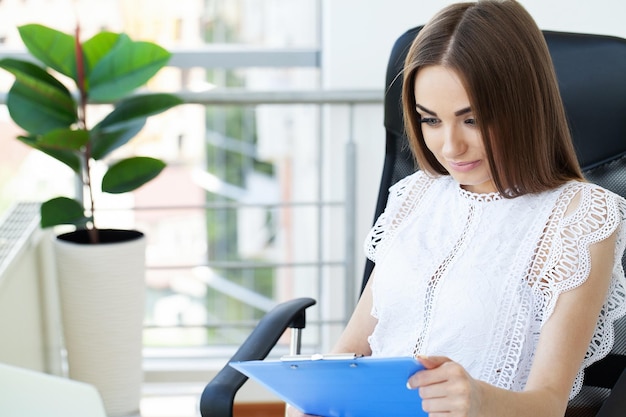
(219, 394)
(615, 404)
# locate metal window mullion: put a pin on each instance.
(350, 220)
(320, 212)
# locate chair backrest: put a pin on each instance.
(591, 72)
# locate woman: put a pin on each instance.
(485, 256)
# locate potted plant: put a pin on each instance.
(102, 302)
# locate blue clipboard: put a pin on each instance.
(336, 386)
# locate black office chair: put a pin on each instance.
(591, 71)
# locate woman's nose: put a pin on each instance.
(453, 144)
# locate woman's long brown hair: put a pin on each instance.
(501, 56)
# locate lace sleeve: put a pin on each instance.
(402, 197)
(599, 214)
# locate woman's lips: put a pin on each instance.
(464, 166)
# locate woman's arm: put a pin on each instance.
(360, 327)
(446, 387)
(354, 337)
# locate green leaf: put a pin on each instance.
(103, 143)
(69, 158)
(63, 210)
(35, 113)
(98, 46)
(55, 49)
(130, 174)
(65, 139)
(37, 101)
(28, 73)
(138, 107)
(126, 120)
(127, 66)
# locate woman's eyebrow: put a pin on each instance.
(425, 110)
(456, 113)
(463, 111)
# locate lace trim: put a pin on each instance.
(480, 198)
(504, 367)
(433, 284)
(560, 250)
(399, 207)
(615, 305)
(563, 262)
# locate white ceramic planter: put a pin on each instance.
(102, 292)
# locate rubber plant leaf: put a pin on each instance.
(126, 67)
(130, 174)
(62, 210)
(128, 115)
(37, 102)
(53, 48)
(97, 47)
(68, 139)
(69, 158)
(105, 142)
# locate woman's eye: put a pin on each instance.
(430, 121)
(471, 122)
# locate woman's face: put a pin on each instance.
(449, 128)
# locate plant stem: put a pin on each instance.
(82, 120)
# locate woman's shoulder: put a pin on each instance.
(403, 198)
(578, 185)
(412, 189)
(415, 181)
(588, 196)
(590, 212)
(589, 215)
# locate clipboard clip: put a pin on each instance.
(319, 357)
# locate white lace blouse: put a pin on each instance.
(475, 276)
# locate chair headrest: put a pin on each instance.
(591, 72)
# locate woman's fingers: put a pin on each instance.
(431, 362)
(436, 371)
(444, 388)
